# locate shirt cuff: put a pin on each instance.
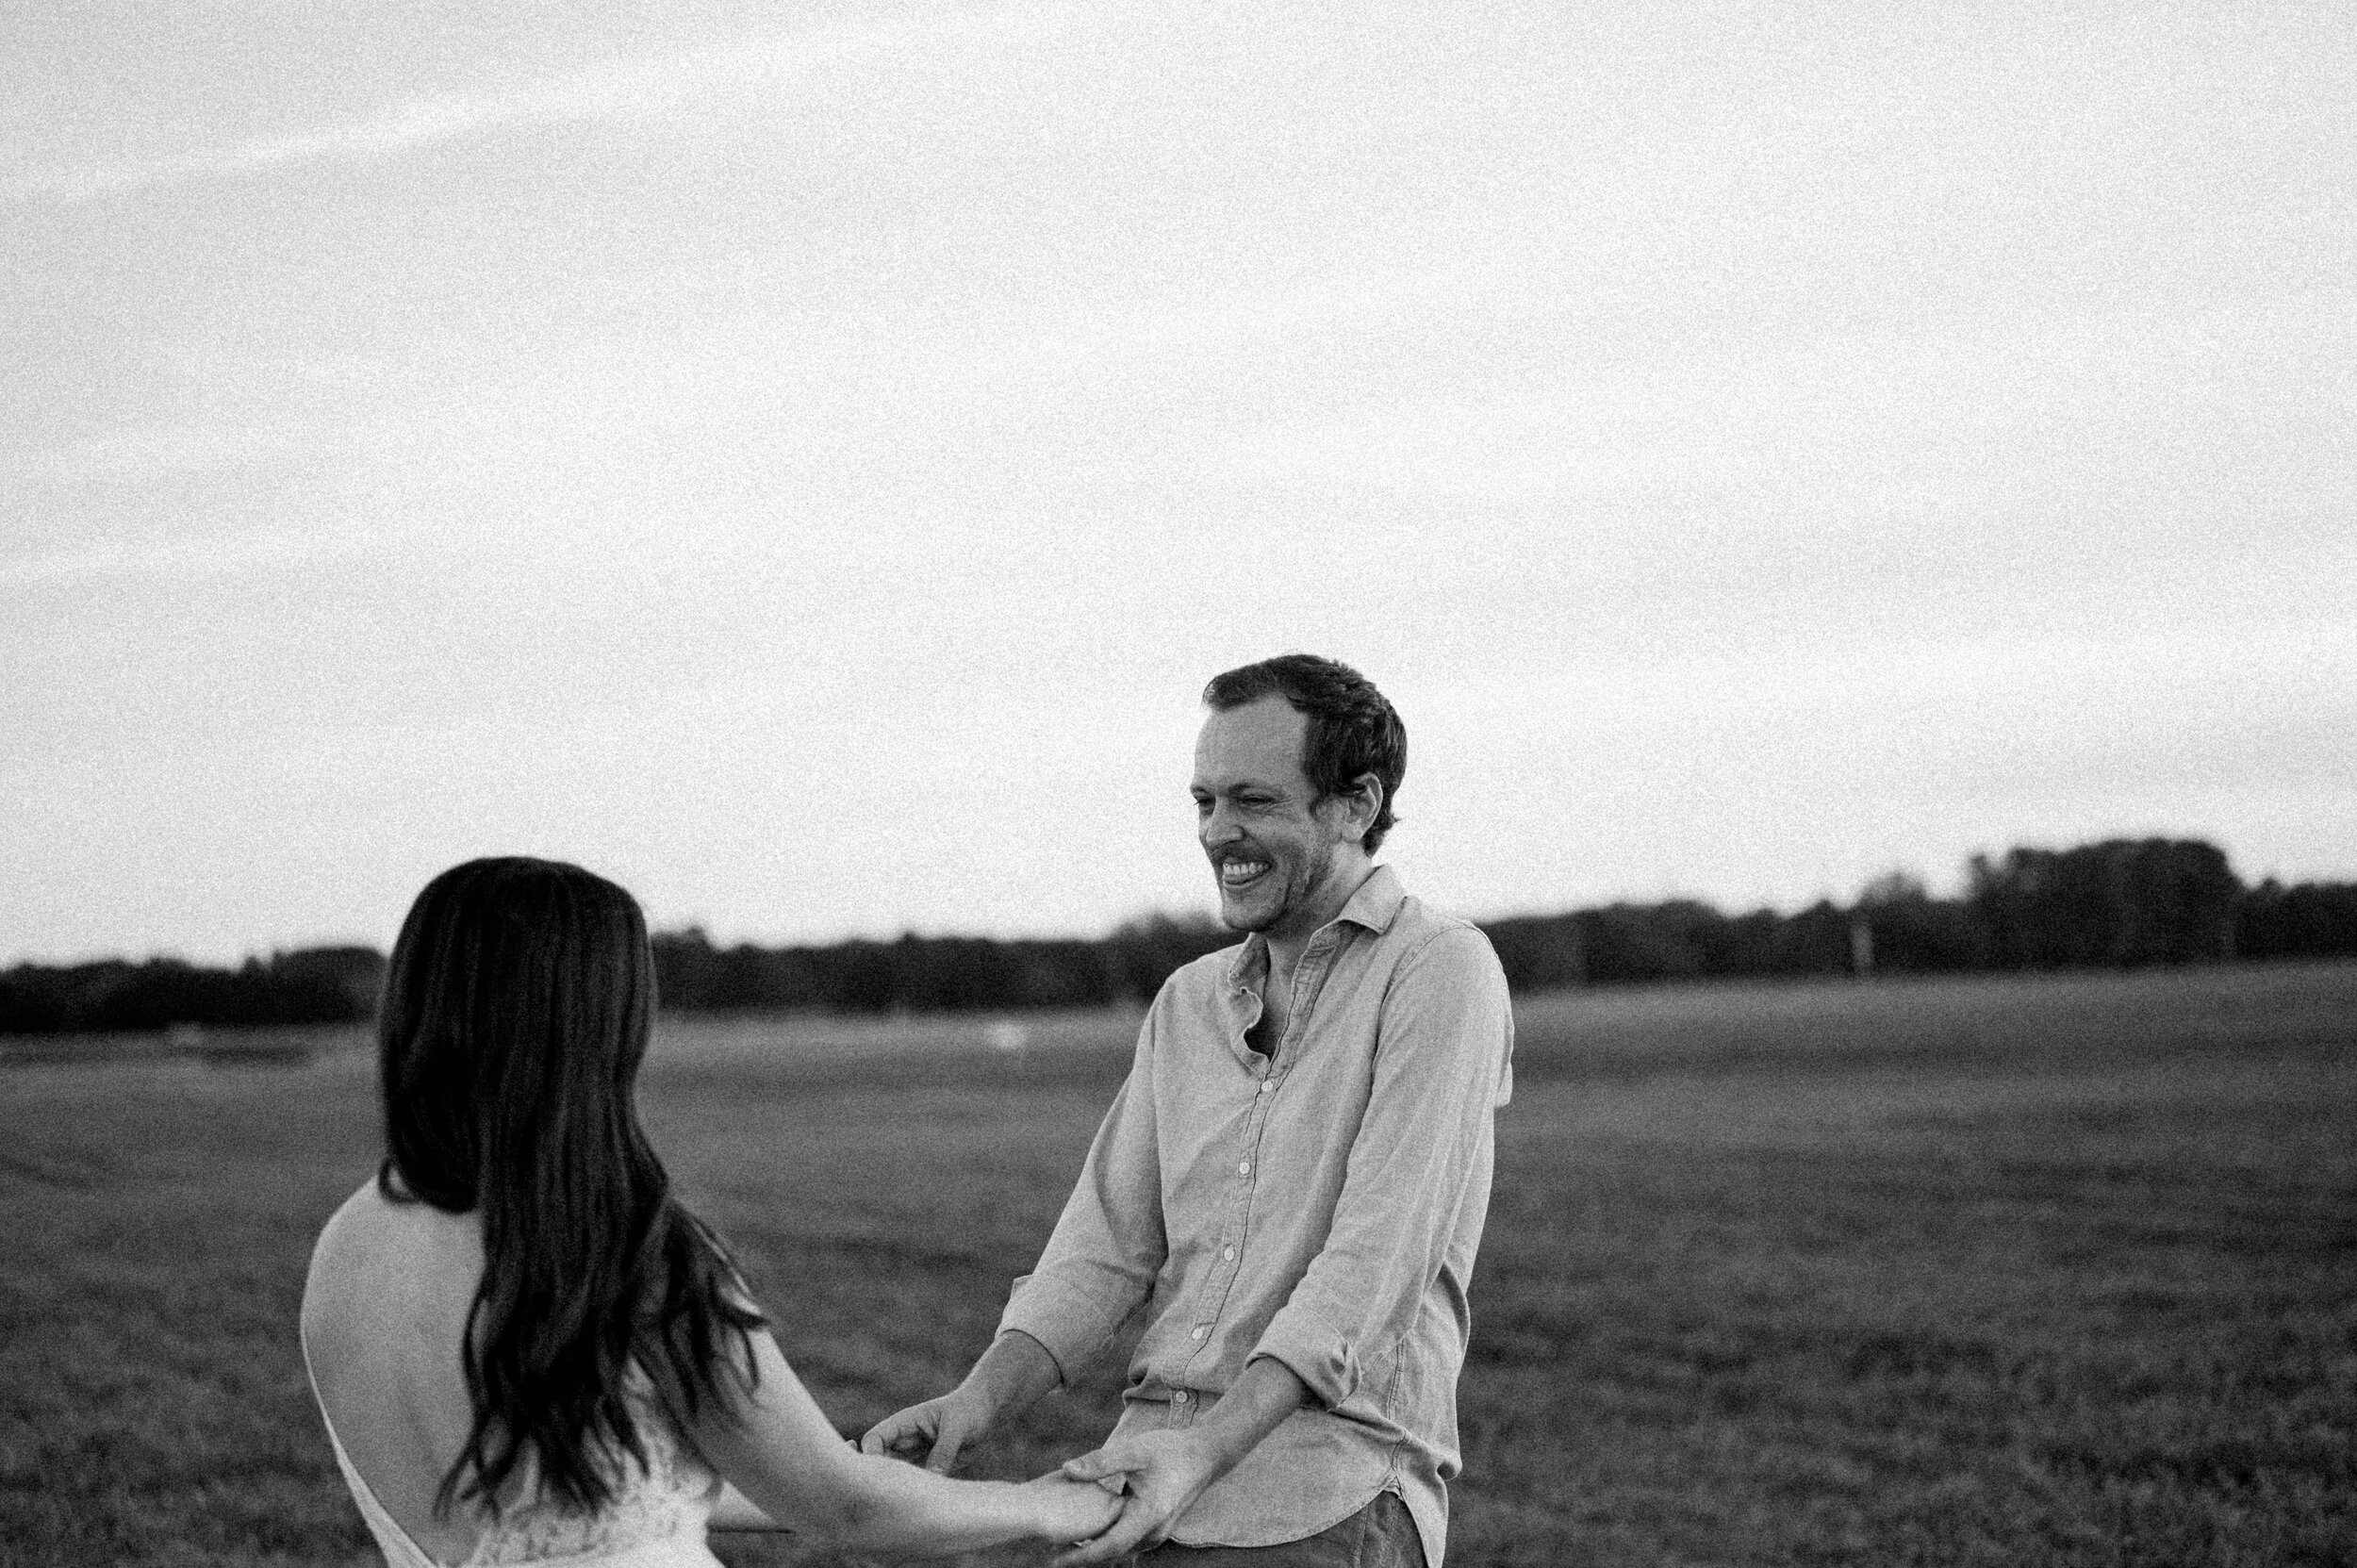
(1315, 1351)
(1068, 1322)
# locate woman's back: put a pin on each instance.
(518, 1007)
(383, 1323)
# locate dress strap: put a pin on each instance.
(399, 1549)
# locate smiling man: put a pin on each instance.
(1292, 1181)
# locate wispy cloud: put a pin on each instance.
(1864, 426)
(154, 450)
(620, 89)
(1240, 317)
(179, 560)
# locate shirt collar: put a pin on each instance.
(1374, 906)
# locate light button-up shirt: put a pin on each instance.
(1321, 1205)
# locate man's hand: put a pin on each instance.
(1078, 1511)
(1161, 1472)
(935, 1432)
(1015, 1370)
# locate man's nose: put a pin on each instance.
(1218, 827)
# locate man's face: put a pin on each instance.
(1271, 849)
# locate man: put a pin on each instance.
(1293, 1175)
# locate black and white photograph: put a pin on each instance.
(1031, 784)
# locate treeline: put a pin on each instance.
(2121, 903)
(311, 986)
(928, 974)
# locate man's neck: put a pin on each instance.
(1289, 941)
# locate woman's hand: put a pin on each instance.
(1070, 1511)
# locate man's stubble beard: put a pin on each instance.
(1314, 873)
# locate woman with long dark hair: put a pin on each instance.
(525, 1348)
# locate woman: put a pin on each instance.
(525, 1350)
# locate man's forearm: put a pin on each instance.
(1261, 1396)
(1163, 1472)
(1013, 1373)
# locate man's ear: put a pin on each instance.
(1364, 803)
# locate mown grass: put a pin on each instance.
(2047, 1271)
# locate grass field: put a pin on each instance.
(2051, 1271)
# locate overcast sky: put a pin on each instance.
(803, 461)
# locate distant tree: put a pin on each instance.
(2309, 921)
(329, 982)
(1639, 942)
(1751, 944)
(307, 986)
(1066, 974)
(1143, 953)
(1814, 941)
(2121, 902)
(1539, 952)
(685, 969)
(2180, 904)
(1893, 887)
(1913, 932)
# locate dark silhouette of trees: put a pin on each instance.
(2311, 920)
(2120, 903)
(1683, 938)
(308, 987)
(931, 973)
(1539, 953)
(1913, 932)
(1143, 952)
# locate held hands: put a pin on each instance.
(1159, 1473)
(934, 1432)
(1073, 1510)
(1067, 1509)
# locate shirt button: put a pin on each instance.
(1198, 1331)
(1243, 1167)
(1268, 1086)
(1229, 1253)
(1178, 1396)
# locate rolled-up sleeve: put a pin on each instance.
(1440, 1065)
(1109, 1243)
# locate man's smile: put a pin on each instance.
(1235, 873)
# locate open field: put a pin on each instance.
(2059, 1270)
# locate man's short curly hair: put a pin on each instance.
(1352, 730)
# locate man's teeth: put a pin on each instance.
(1242, 870)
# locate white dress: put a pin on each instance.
(656, 1520)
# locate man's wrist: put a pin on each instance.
(1015, 1370)
(1257, 1405)
(974, 1402)
(1217, 1450)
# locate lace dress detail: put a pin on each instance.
(656, 1518)
(657, 1508)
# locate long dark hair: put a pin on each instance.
(515, 1014)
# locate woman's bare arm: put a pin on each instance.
(787, 1463)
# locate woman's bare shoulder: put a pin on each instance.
(384, 1316)
(376, 1257)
